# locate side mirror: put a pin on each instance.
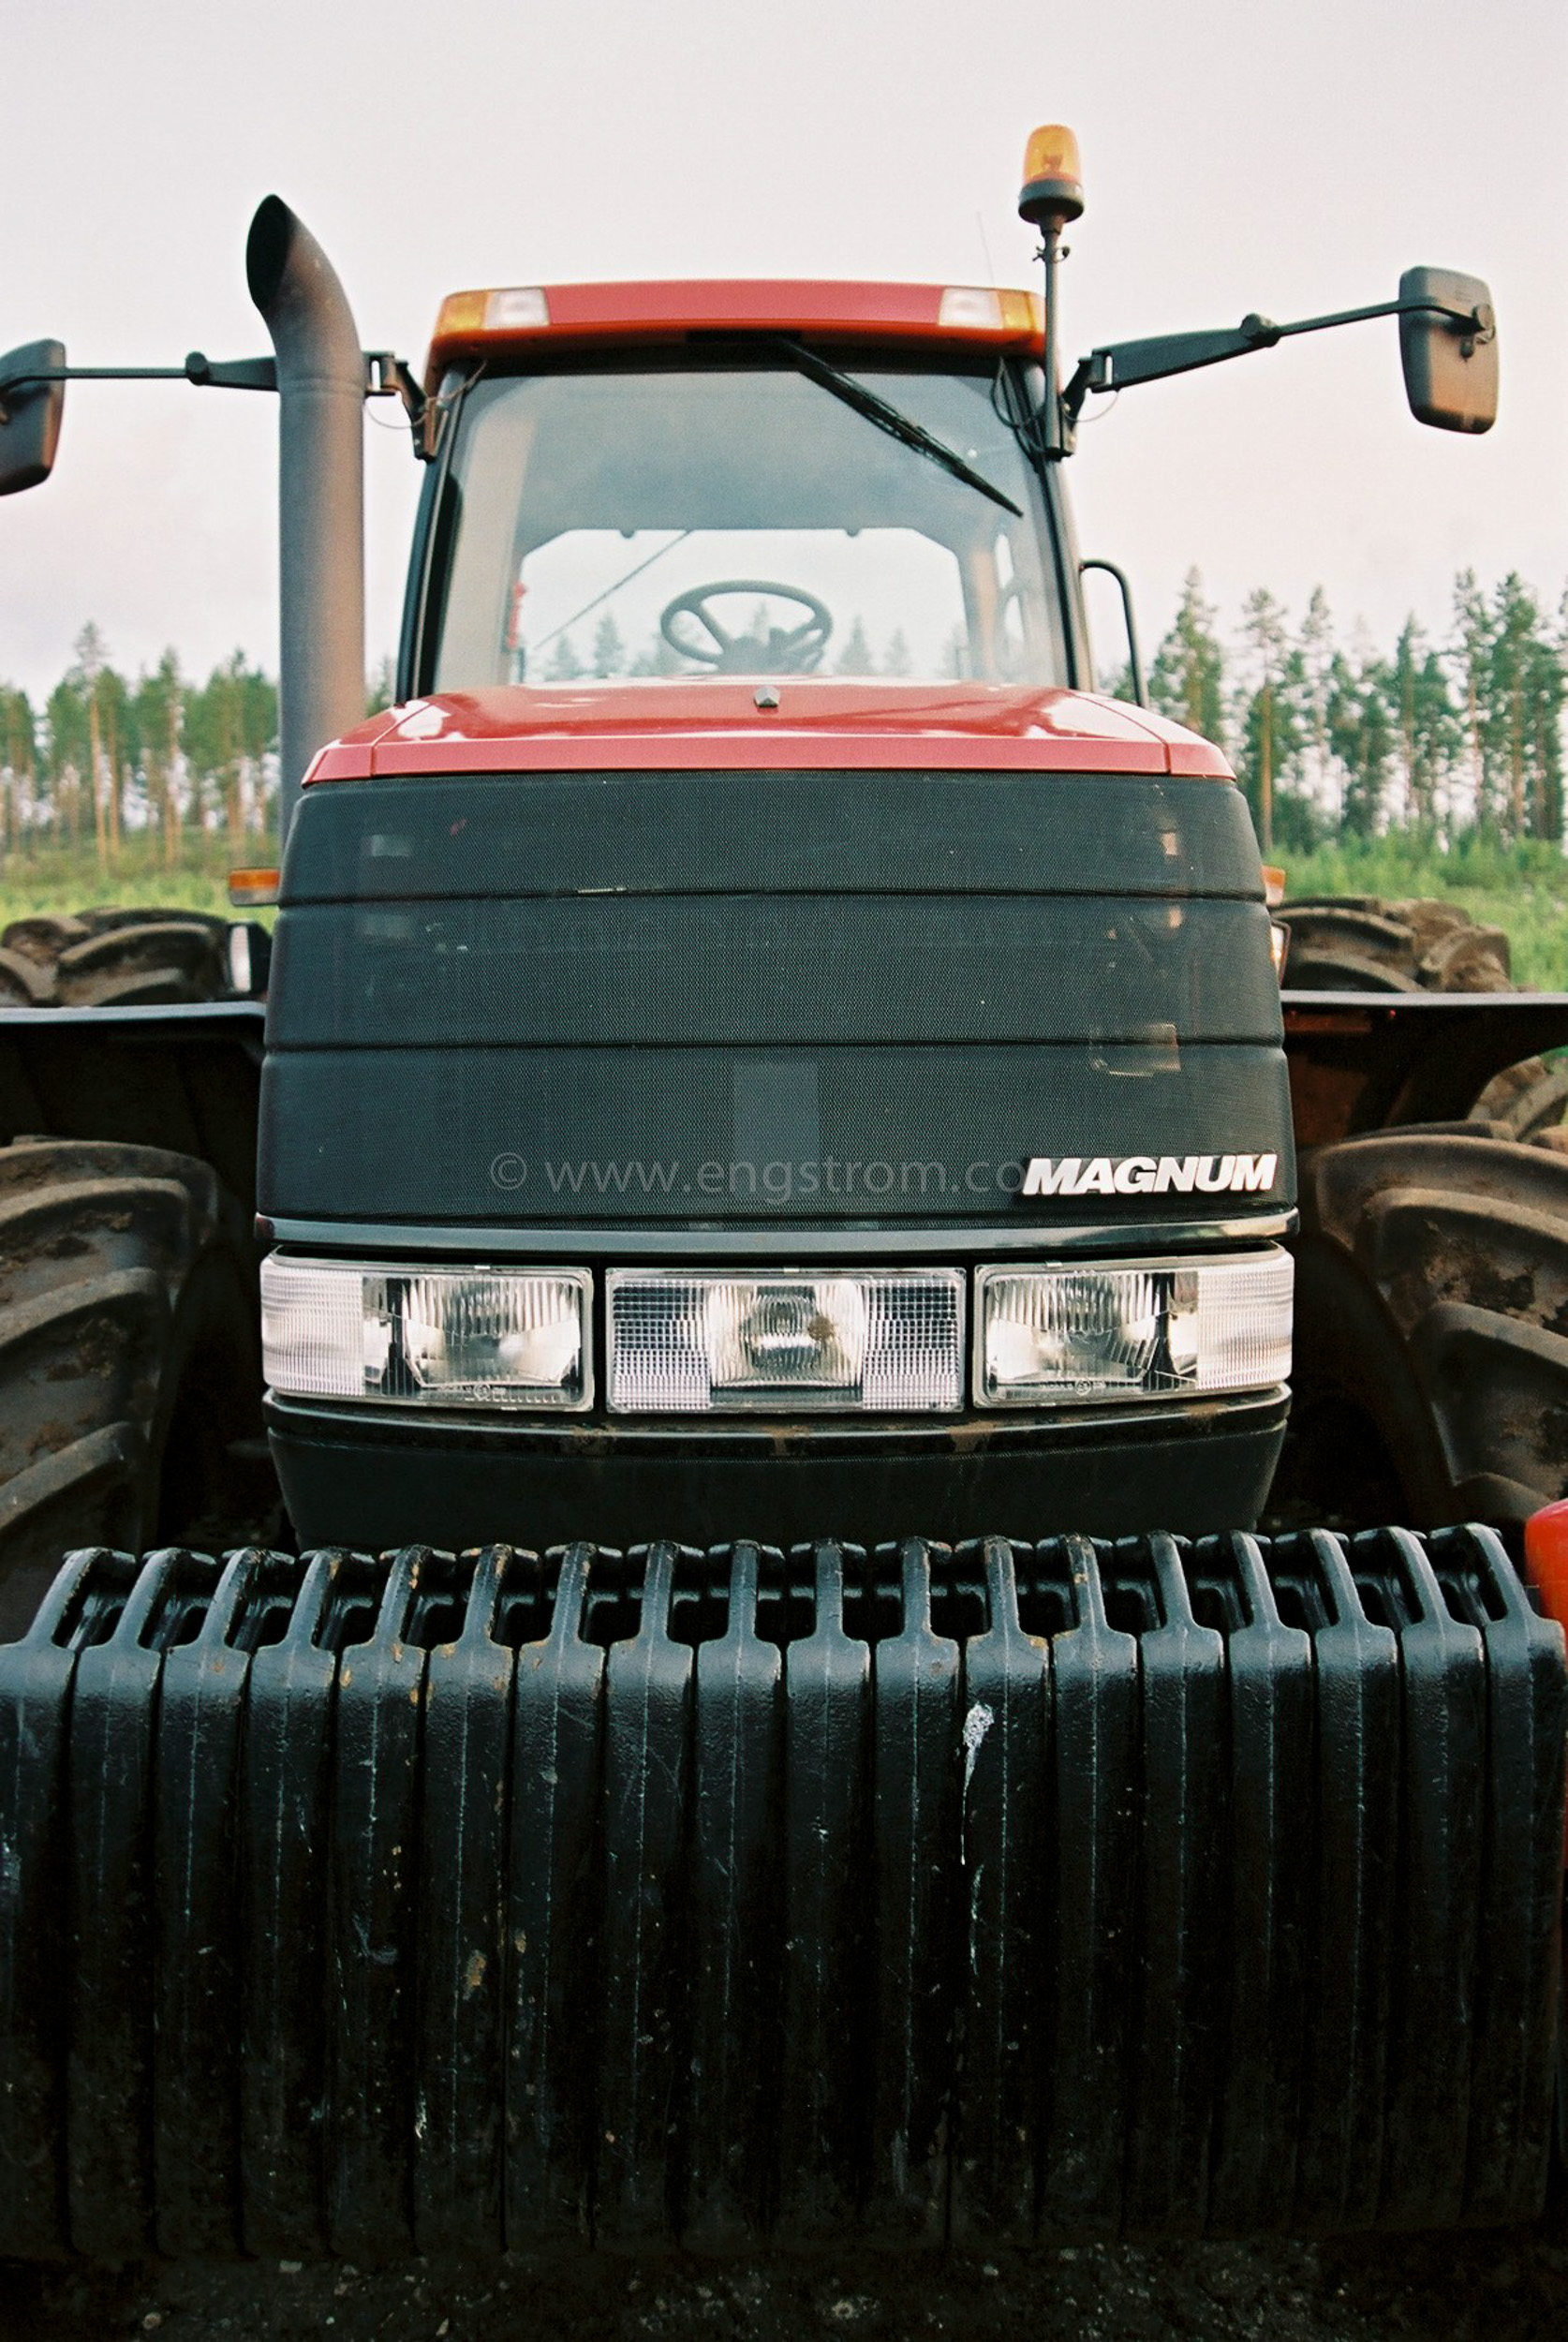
(30, 411)
(1449, 360)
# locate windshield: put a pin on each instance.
(685, 520)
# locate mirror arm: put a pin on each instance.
(1120, 365)
(386, 376)
(231, 374)
(33, 380)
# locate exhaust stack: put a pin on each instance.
(320, 380)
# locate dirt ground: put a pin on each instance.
(1502, 2288)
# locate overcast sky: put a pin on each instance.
(1286, 155)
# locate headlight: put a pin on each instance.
(1135, 1330)
(435, 1338)
(884, 1340)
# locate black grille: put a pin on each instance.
(606, 982)
(516, 835)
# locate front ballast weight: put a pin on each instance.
(1030, 1892)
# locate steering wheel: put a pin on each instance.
(782, 650)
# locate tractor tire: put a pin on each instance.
(1431, 1372)
(1362, 943)
(112, 959)
(129, 1364)
(1527, 1101)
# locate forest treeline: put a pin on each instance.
(168, 761)
(1445, 738)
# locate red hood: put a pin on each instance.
(594, 727)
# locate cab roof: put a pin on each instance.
(505, 321)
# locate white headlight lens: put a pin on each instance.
(972, 306)
(439, 1338)
(888, 1342)
(1143, 1329)
(515, 308)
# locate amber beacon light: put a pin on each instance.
(1052, 194)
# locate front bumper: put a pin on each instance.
(1039, 1894)
(373, 1478)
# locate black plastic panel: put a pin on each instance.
(608, 1136)
(661, 997)
(774, 970)
(511, 836)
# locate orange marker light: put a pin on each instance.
(1545, 1540)
(252, 889)
(1023, 313)
(1053, 190)
(461, 313)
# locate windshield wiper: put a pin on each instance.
(889, 418)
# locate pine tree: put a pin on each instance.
(159, 709)
(1471, 657)
(118, 748)
(609, 649)
(1317, 661)
(1426, 726)
(19, 750)
(259, 737)
(1296, 812)
(1523, 730)
(65, 715)
(896, 659)
(855, 657)
(1187, 681)
(1269, 725)
(229, 723)
(565, 666)
(1509, 667)
(90, 661)
(1361, 729)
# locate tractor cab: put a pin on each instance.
(705, 480)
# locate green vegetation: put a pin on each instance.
(143, 790)
(144, 770)
(1336, 743)
(1521, 889)
(1434, 770)
(66, 879)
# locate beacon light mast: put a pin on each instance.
(1447, 328)
(1051, 198)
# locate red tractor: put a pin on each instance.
(782, 1689)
